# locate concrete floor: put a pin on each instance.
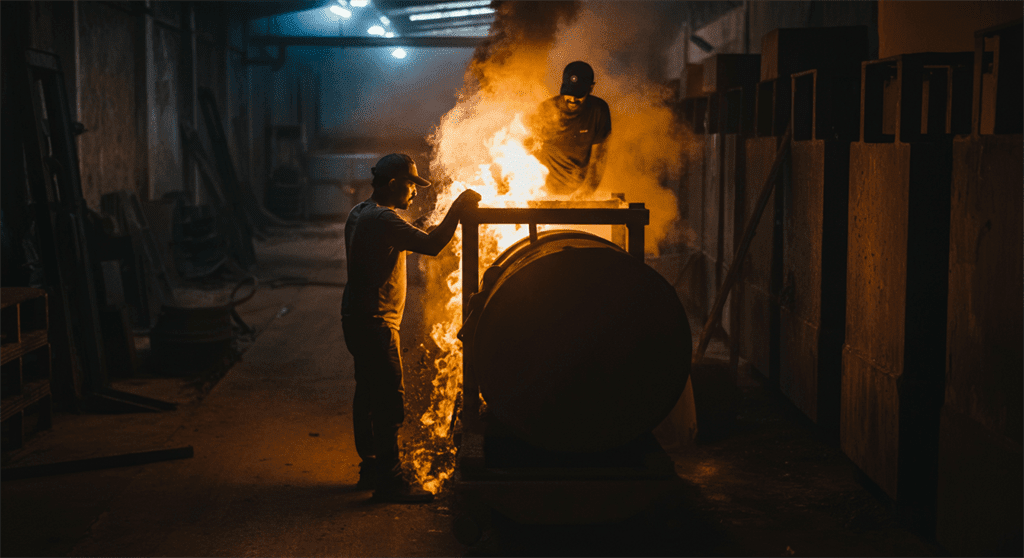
(274, 468)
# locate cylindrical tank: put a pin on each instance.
(579, 346)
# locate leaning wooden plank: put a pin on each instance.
(741, 250)
(225, 202)
(136, 218)
(257, 215)
(95, 463)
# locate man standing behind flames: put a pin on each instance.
(572, 127)
(376, 240)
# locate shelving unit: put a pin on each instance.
(24, 364)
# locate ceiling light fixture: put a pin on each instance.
(389, 35)
(399, 53)
(451, 14)
(360, 3)
(376, 30)
(436, 7)
(338, 10)
(385, 20)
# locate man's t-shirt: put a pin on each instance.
(376, 239)
(566, 140)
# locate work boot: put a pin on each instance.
(368, 472)
(401, 491)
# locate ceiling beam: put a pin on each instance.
(367, 42)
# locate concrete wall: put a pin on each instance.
(908, 27)
(108, 154)
(127, 72)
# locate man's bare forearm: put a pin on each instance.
(442, 234)
(438, 238)
(595, 170)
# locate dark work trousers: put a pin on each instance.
(378, 405)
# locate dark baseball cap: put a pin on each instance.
(398, 165)
(577, 79)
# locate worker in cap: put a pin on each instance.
(376, 241)
(573, 127)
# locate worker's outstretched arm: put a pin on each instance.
(433, 242)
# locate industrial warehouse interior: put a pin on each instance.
(776, 309)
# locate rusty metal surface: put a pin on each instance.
(896, 309)
(983, 379)
(798, 363)
(876, 298)
(813, 294)
(980, 455)
(711, 198)
(877, 256)
(711, 219)
(870, 420)
(755, 318)
(733, 190)
(801, 301)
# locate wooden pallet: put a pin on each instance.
(25, 364)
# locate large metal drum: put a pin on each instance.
(579, 346)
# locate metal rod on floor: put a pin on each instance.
(741, 251)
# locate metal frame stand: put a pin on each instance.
(635, 218)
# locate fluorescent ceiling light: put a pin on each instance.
(399, 53)
(471, 31)
(385, 20)
(341, 11)
(376, 30)
(438, 7)
(389, 35)
(451, 14)
(359, 3)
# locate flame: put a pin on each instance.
(508, 175)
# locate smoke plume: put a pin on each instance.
(520, 65)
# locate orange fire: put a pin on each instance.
(506, 175)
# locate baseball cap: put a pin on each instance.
(398, 165)
(577, 79)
